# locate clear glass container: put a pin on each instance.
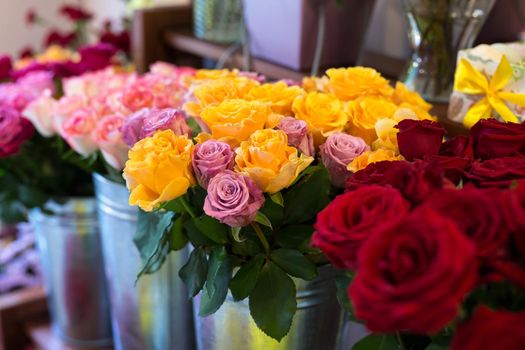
(217, 20)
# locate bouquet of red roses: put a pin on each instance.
(434, 246)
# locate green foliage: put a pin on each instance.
(377, 342)
(216, 286)
(212, 229)
(295, 236)
(178, 238)
(245, 279)
(294, 263)
(195, 271)
(273, 301)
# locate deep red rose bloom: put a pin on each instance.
(419, 138)
(31, 16)
(54, 37)
(5, 67)
(416, 180)
(95, 57)
(498, 172)
(455, 168)
(75, 13)
(26, 52)
(494, 139)
(347, 222)
(478, 214)
(119, 40)
(14, 131)
(488, 329)
(413, 274)
(515, 211)
(459, 146)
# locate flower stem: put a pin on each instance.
(182, 200)
(400, 341)
(261, 236)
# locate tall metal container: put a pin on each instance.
(73, 268)
(315, 325)
(154, 313)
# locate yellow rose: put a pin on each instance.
(386, 132)
(312, 84)
(403, 95)
(364, 113)
(323, 113)
(370, 157)
(351, 83)
(419, 112)
(278, 95)
(212, 74)
(214, 92)
(159, 169)
(233, 121)
(269, 161)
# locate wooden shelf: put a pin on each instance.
(43, 338)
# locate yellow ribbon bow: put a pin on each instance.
(471, 81)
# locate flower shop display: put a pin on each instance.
(489, 83)
(438, 30)
(432, 245)
(245, 193)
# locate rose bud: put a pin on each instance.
(419, 138)
(210, 158)
(298, 134)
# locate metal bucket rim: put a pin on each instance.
(110, 206)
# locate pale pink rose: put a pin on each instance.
(337, 152)
(298, 134)
(172, 71)
(137, 96)
(108, 137)
(41, 113)
(65, 107)
(77, 131)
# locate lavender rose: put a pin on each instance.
(298, 134)
(337, 152)
(132, 130)
(163, 119)
(233, 199)
(210, 158)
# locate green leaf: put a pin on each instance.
(295, 236)
(194, 126)
(294, 263)
(236, 234)
(178, 239)
(342, 281)
(377, 342)
(151, 239)
(249, 247)
(216, 286)
(436, 347)
(244, 281)
(197, 195)
(274, 212)
(194, 272)
(173, 205)
(307, 198)
(277, 198)
(195, 235)
(212, 229)
(273, 301)
(263, 220)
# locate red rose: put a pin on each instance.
(54, 37)
(459, 146)
(31, 17)
(488, 329)
(455, 168)
(26, 52)
(413, 274)
(5, 67)
(75, 13)
(494, 139)
(498, 172)
(478, 214)
(120, 40)
(515, 210)
(347, 222)
(95, 57)
(418, 138)
(14, 131)
(414, 180)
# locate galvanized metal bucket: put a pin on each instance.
(154, 313)
(73, 269)
(315, 325)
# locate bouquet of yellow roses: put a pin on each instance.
(246, 190)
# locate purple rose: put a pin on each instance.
(164, 119)
(337, 152)
(298, 134)
(210, 158)
(132, 130)
(233, 199)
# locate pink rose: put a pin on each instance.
(108, 137)
(40, 114)
(210, 158)
(233, 199)
(132, 130)
(337, 152)
(298, 134)
(14, 131)
(65, 107)
(164, 119)
(77, 130)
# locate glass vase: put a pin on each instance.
(438, 30)
(217, 20)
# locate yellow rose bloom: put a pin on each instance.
(350, 83)
(159, 169)
(212, 74)
(370, 157)
(364, 113)
(233, 121)
(279, 96)
(268, 160)
(419, 112)
(323, 113)
(386, 132)
(312, 84)
(403, 95)
(214, 92)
